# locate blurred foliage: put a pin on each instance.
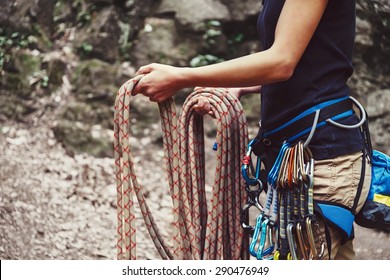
(84, 50)
(13, 40)
(204, 59)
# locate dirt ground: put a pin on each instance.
(56, 206)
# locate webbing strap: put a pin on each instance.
(300, 125)
(339, 216)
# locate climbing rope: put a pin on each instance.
(205, 228)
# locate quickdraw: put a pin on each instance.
(287, 227)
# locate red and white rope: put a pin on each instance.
(200, 233)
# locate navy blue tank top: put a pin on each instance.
(320, 75)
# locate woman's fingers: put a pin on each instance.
(140, 87)
(145, 69)
(143, 86)
(203, 107)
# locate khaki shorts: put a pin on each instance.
(337, 180)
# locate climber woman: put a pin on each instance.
(305, 61)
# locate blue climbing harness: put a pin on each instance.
(287, 227)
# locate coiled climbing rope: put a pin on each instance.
(205, 228)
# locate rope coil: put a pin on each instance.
(201, 232)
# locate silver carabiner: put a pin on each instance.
(310, 233)
(291, 241)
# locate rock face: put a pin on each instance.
(92, 47)
(371, 80)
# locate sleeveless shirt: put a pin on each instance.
(321, 75)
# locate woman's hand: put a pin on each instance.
(203, 106)
(160, 81)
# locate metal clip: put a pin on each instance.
(302, 241)
(291, 241)
(256, 239)
(247, 166)
(253, 200)
(262, 236)
(312, 242)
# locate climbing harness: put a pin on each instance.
(204, 228)
(288, 226)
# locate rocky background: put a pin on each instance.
(61, 63)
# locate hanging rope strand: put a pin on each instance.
(127, 184)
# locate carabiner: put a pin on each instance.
(266, 237)
(291, 241)
(302, 241)
(274, 172)
(247, 163)
(256, 238)
(310, 235)
(253, 200)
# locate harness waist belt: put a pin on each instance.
(302, 124)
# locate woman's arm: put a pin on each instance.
(296, 25)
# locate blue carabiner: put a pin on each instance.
(266, 234)
(274, 172)
(247, 163)
(244, 171)
(256, 235)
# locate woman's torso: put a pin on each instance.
(321, 75)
